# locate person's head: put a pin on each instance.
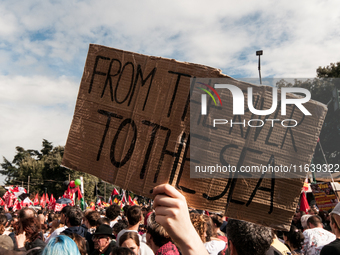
(304, 219)
(335, 220)
(156, 235)
(103, 220)
(41, 218)
(121, 251)
(26, 213)
(200, 225)
(102, 237)
(209, 229)
(294, 238)
(314, 221)
(74, 217)
(31, 226)
(248, 238)
(125, 209)
(217, 221)
(61, 245)
(91, 219)
(134, 215)
(63, 213)
(130, 240)
(120, 225)
(80, 242)
(50, 217)
(3, 222)
(113, 211)
(297, 217)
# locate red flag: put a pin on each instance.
(123, 197)
(305, 184)
(42, 201)
(17, 205)
(114, 192)
(304, 206)
(80, 196)
(2, 203)
(36, 200)
(47, 200)
(130, 201)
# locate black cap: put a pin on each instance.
(104, 230)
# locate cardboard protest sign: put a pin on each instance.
(131, 127)
(324, 195)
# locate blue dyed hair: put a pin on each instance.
(61, 245)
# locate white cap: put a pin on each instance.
(336, 209)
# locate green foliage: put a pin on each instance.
(331, 71)
(321, 90)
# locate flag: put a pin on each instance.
(2, 203)
(99, 202)
(304, 206)
(52, 203)
(130, 201)
(80, 196)
(305, 184)
(17, 205)
(42, 201)
(59, 207)
(47, 200)
(123, 197)
(116, 201)
(36, 199)
(26, 202)
(115, 192)
(92, 206)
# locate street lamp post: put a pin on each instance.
(259, 53)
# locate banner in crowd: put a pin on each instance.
(131, 127)
(324, 195)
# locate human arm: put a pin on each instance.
(171, 211)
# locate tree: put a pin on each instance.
(45, 171)
(321, 90)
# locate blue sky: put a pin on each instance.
(43, 48)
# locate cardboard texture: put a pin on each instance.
(131, 127)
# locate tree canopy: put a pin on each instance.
(321, 89)
(46, 173)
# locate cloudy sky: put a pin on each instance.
(43, 48)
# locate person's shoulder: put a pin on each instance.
(331, 248)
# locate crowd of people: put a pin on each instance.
(169, 227)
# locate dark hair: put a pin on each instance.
(92, 217)
(80, 242)
(209, 228)
(133, 214)
(75, 216)
(129, 235)
(103, 220)
(126, 208)
(295, 237)
(121, 251)
(113, 211)
(65, 209)
(217, 219)
(314, 220)
(120, 225)
(32, 228)
(26, 213)
(249, 238)
(3, 221)
(50, 217)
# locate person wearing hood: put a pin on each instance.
(73, 222)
